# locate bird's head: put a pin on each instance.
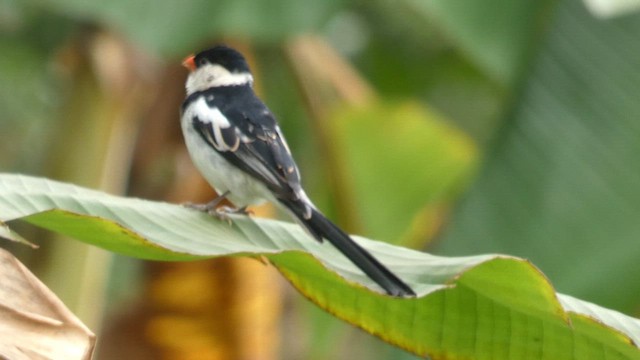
(215, 67)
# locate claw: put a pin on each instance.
(209, 207)
(221, 213)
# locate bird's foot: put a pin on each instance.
(210, 207)
(222, 213)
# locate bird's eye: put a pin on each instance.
(202, 62)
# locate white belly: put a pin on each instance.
(221, 175)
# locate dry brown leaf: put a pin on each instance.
(34, 323)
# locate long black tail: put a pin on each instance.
(322, 228)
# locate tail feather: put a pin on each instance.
(322, 228)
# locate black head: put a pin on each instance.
(229, 58)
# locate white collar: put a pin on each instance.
(208, 76)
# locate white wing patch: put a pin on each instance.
(284, 142)
(213, 117)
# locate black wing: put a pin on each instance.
(249, 138)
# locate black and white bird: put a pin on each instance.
(236, 143)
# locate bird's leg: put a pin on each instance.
(209, 207)
(229, 210)
(222, 212)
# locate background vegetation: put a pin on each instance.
(462, 128)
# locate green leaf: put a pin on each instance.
(560, 186)
(481, 307)
(425, 162)
(496, 34)
(176, 28)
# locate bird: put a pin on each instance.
(234, 140)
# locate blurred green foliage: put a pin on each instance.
(388, 143)
(174, 28)
(29, 87)
(544, 90)
(561, 185)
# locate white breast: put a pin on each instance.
(221, 175)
